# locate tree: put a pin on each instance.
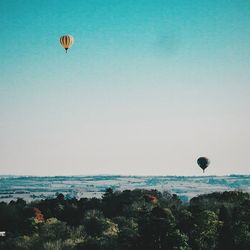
(206, 230)
(158, 230)
(225, 233)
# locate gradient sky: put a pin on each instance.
(147, 87)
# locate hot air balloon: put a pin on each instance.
(203, 162)
(66, 41)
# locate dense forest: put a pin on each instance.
(128, 220)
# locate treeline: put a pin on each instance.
(128, 220)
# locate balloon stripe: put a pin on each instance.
(67, 41)
(61, 41)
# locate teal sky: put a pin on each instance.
(147, 87)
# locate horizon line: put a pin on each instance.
(120, 175)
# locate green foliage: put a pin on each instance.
(128, 220)
(206, 230)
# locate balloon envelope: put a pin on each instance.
(203, 163)
(66, 41)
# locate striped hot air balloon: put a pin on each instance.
(66, 41)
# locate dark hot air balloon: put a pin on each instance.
(203, 163)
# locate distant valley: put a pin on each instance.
(34, 187)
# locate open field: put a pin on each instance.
(186, 187)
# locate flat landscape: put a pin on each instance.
(33, 187)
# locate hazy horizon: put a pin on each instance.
(32, 187)
(122, 175)
(147, 87)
